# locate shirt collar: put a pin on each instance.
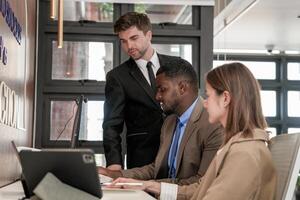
(187, 114)
(154, 59)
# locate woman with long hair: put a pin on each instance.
(242, 168)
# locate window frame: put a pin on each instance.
(97, 146)
(281, 85)
(200, 34)
(76, 38)
(194, 26)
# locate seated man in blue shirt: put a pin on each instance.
(188, 141)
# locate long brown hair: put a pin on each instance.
(245, 111)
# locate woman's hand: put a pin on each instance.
(128, 183)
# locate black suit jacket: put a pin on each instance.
(130, 99)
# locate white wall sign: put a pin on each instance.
(8, 106)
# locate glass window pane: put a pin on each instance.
(293, 130)
(293, 71)
(272, 132)
(180, 14)
(62, 119)
(293, 103)
(91, 121)
(75, 10)
(100, 160)
(182, 50)
(63, 115)
(260, 70)
(268, 101)
(81, 60)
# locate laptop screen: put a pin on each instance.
(75, 167)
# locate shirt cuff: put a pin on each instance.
(168, 191)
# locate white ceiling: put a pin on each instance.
(266, 22)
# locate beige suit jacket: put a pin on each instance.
(200, 142)
(242, 170)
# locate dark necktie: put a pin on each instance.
(151, 76)
(173, 151)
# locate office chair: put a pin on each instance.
(286, 157)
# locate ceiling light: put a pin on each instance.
(291, 52)
(160, 2)
(240, 51)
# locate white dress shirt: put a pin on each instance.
(141, 63)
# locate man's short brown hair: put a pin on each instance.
(139, 20)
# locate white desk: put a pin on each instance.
(126, 195)
(15, 191)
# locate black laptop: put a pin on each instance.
(75, 167)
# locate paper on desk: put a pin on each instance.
(124, 184)
(52, 188)
(105, 179)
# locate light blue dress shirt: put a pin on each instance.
(183, 119)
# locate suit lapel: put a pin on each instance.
(222, 153)
(139, 77)
(189, 130)
(162, 157)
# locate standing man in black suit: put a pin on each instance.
(130, 96)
